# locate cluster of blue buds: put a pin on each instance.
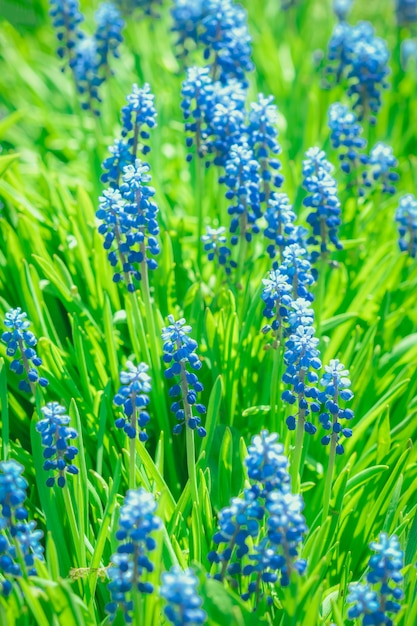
(263, 529)
(381, 162)
(342, 8)
(336, 385)
(21, 344)
(214, 114)
(138, 118)
(277, 297)
(56, 435)
(108, 34)
(183, 603)
(406, 217)
(129, 225)
(406, 12)
(66, 18)
(262, 136)
(16, 533)
(186, 19)
(131, 562)
(179, 350)
(225, 37)
(323, 201)
(408, 51)
(355, 53)
(346, 136)
(134, 397)
(87, 56)
(243, 181)
(280, 218)
(302, 359)
(217, 248)
(296, 266)
(379, 597)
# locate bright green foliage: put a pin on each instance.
(53, 266)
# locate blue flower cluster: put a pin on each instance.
(243, 181)
(21, 344)
(296, 266)
(217, 248)
(131, 562)
(323, 201)
(406, 217)
(346, 133)
(336, 385)
(179, 589)
(406, 12)
(262, 139)
(56, 435)
(129, 225)
(16, 533)
(280, 229)
(134, 397)
(262, 530)
(356, 54)
(276, 295)
(375, 600)
(141, 8)
(87, 56)
(381, 163)
(66, 18)
(220, 28)
(179, 350)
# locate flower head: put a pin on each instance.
(217, 248)
(138, 117)
(406, 217)
(66, 18)
(346, 136)
(134, 397)
(336, 383)
(56, 436)
(406, 12)
(381, 164)
(108, 33)
(179, 589)
(179, 352)
(21, 344)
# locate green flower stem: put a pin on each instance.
(198, 194)
(276, 383)
(329, 480)
(79, 542)
(158, 379)
(296, 459)
(321, 295)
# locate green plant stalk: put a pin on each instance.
(243, 247)
(296, 459)
(276, 382)
(321, 293)
(158, 380)
(132, 463)
(329, 480)
(140, 346)
(198, 194)
(79, 542)
(191, 464)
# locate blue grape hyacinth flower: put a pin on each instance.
(243, 181)
(342, 8)
(323, 201)
(131, 563)
(374, 601)
(113, 166)
(21, 344)
(86, 74)
(262, 136)
(298, 270)
(56, 435)
(180, 591)
(406, 218)
(108, 34)
(267, 465)
(138, 118)
(186, 16)
(280, 218)
(277, 297)
(346, 136)
(381, 163)
(336, 383)
(302, 359)
(133, 396)
(217, 247)
(16, 533)
(179, 351)
(66, 18)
